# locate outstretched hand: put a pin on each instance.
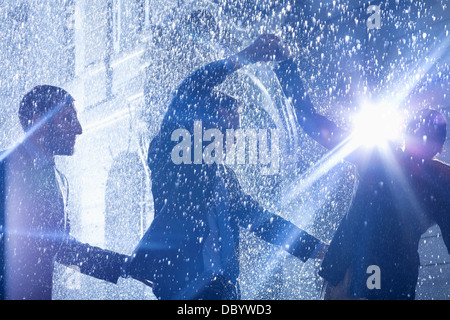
(266, 47)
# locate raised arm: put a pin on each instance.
(318, 127)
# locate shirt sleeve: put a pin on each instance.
(93, 261)
(318, 127)
(204, 79)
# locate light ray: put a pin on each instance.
(406, 82)
(319, 169)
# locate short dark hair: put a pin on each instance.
(39, 101)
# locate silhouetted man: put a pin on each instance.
(191, 248)
(35, 227)
(401, 193)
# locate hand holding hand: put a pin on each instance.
(266, 47)
(126, 273)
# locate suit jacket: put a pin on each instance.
(171, 252)
(36, 231)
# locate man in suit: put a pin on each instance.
(401, 193)
(190, 251)
(35, 227)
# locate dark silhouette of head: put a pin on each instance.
(48, 115)
(425, 134)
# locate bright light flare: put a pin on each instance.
(377, 124)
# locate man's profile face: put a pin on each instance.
(62, 131)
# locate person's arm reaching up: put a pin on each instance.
(318, 127)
